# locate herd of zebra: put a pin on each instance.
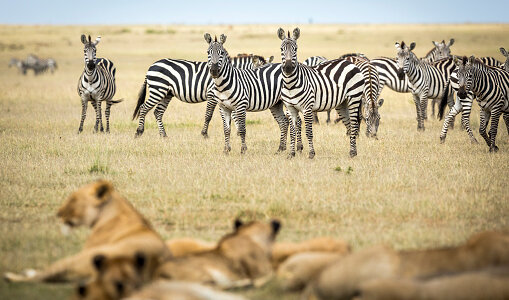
(350, 84)
(34, 63)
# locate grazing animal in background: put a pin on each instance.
(428, 80)
(118, 230)
(491, 88)
(188, 81)
(370, 103)
(388, 69)
(96, 84)
(250, 61)
(21, 65)
(335, 84)
(39, 65)
(244, 90)
(464, 105)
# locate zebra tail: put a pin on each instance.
(443, 103)
(116, 101)
(141, 99)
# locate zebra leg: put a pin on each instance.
(158, 113)
(425, 110)
(240, 114)
(424, 103)
(211, 105)
(84, 105)
(353, 112)
(308, 121)
(344, 116)
(465, 116)
(485, 118)
(279, 115)
(294, 132)
(107, 115)
(298, 133)
(449, 118)
(506, 121)
(315, 118)
(328, 116)
(236, 122)
(495, 118)
(418, 110)
(226, 115)
(153, 99)
(433, 102)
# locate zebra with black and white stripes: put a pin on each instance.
(96, 84)
(333, 84)
(188, 81)
(388, 69)
(428, 80)
(464, 105)
(240, 91)
(250, 61)
(490, 85)
(314, 61)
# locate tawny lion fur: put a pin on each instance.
(117, 230)
(186, 246)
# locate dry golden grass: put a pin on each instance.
(404, 189)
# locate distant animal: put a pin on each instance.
(21, 65)
(250, 61)
(39, 65)
(96, 84)
(335, 84)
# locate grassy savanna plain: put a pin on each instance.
(404, 189)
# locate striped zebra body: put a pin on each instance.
(240, 91)
(427, 81)
(333, 84)
(250, 61)
(489, 84)
(188, 81)
(311, 62)
(370, 103)
(20, 65)
(96, 84)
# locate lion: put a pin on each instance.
(117, 230)
(299, 269)
(342, 279)
(241, 257)
(282, 250)
(489, 284)
(186, 246)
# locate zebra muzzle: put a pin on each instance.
(288, 68)
(91, 65)
(214, 70)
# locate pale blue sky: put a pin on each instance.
(251, 12)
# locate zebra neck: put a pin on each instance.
(292, 80)
(90, 75)
(225, 79)
(431, 56)
(414, 70)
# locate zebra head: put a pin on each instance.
(372, 116)
(464, 69)
(442, 49)
(404, 55)
(288, 50)
(216, 54)
(506, 64)
(90, 51)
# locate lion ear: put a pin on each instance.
(99, 262)
(81, 289)
(276, 225)
(237, 224)
(103, 190)
(140, 260)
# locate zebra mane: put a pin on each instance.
(353, 54)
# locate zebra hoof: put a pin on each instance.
(300, 147)
(204, 134)
(442, 139)
(474, 141)
(281, 149)
(311, 155)
(227, 149)
(243, 150)
(291, 155)
(494, 149)
(353, 153)
(163, 135)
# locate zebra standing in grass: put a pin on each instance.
(464, 105)
(333, 84)
(96, 84)
(188, 81)
(428, 81)
(22, 68)
(388, 69)
(244, 90)
(370, 103)
(311, 62)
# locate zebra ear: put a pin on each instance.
(222, 38)
(281, 33)
(471, 60)
(83, 39)
(397, 45)
(271, 58)
(207, 37)
(97, 40)
(296, 33)
(504, 53)
(255, 60)
(89, 39)
(451, 42)
(412, 46)
(435, 43)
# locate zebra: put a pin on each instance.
(242, 90)
(39, 65)
(464, 105)
(333, 84)
(371, 103)
(21, 65)
(311, 62)
(250, 61)
(388, 69)
(427, 80)
(490, 85)
(96, 84)
(188, 81)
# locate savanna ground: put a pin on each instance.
(404, 189)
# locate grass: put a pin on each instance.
(404, 189)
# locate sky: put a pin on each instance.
(109, 12)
